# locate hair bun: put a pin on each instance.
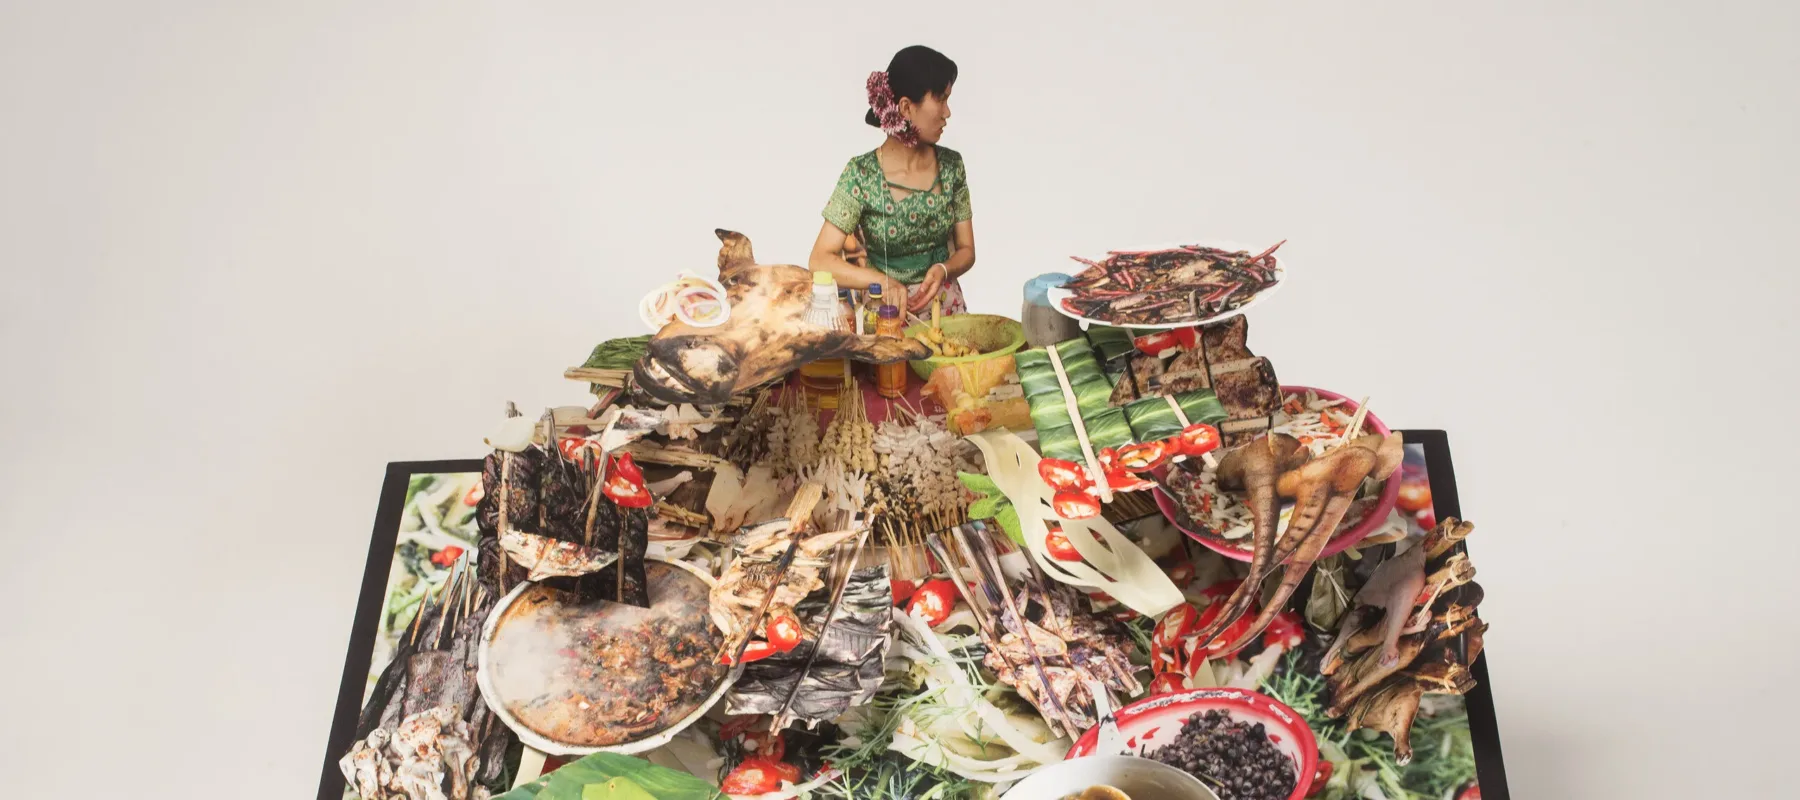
(870, 118)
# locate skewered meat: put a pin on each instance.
(1037, 641)
(767, 336)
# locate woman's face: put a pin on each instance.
(929, 116)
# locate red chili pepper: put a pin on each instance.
(784, 632)
(1168, 683)
(754, 776)
(625, 484)
(903, 590)
(1188, 337)
(1220, 591)
(1286, 630)
(1415, 496)
(1322, 776)
(1472, 792)
(1144, 456)
(571, 448)
(1116, 475)
(933, 601)
(756, 651)
(1198, 439)
(1063, 475)
(1060, 547)
(765, 745)
(1427, 519)
(1182, 574)
(625, 465)
(446, 556)
(1216, 648)
(740, 723)
(474, 495)
(1075, 505)
(1158, 343)
(787, 772)
(1178, 622)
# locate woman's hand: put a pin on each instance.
(854, 252)
(919, 296)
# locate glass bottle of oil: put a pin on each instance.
(823, 379)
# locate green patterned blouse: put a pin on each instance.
(903, 237)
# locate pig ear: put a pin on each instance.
(734, 250)
(885, 349)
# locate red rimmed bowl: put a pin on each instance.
(1155, 721)
(1344, 539)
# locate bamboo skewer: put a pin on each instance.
(1087, 447)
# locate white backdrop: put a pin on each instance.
(255, 251)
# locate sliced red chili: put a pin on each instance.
(1158, 343)
(903, 590)
(1286, 630)
(1198, 439)
(1322, 776)
(1143, 456)
(1063, 475)
(1168, 683)
(446, 556)
(625, 484)
(1232, 632)
(784, 632)
(474, 495)
(756, 651)
(787, 772)
(1182, 574)
(754, 776)
(1075, 505)
(933, 601)
(625, 465)
(1060, 547)
(570, 447)
(765, 745)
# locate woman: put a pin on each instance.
(900, 213)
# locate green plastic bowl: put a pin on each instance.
(994, 335)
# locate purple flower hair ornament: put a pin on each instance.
(887, 110)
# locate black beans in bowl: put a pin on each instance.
(1236, 759)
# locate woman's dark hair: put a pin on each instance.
(917, 71)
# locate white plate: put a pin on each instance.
(543, 744)
(1058, 294)
(1136, 776)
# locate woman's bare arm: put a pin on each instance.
(828, 256)
(962, 249)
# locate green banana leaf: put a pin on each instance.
(1152, 418)
(610, 776)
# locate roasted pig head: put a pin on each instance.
(767, 336)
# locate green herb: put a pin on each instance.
(993, 504)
